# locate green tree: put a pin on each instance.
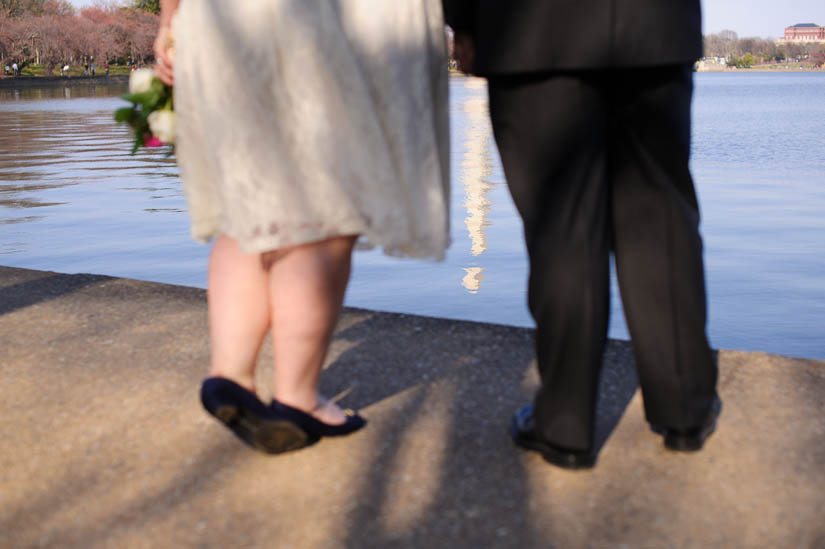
(747, 60)
(152, 6)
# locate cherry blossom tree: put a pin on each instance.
(52, 33)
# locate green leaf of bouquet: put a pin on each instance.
(145, 99)
(125, 114)
(152, 100)
(158, 86)
(140, 125)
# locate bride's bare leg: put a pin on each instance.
(238, 311)
(306, 291)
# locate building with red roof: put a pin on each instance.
(804, 32)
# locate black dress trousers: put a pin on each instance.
(597, 161)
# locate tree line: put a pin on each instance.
(53, 33)
(746, 52)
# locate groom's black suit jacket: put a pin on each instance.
(520, 36)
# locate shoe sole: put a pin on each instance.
(568, 461)
(267, 435)
(677, 442)
(681, 443)
(551, 455)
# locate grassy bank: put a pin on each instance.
(74, 70)
(766, 67)
(783, 67)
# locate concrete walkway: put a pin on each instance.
(103, 442)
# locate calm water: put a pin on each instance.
(73, 200)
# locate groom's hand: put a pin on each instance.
(464, 51)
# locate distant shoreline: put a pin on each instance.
(716, 68)
(799, 66)
(20, 82)
(757, 69)
(24, 82)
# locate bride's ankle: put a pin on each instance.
(305, 403)
(328, 412)
(247, 382)
(316, 405)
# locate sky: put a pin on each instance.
(762, 18)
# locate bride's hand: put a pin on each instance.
(165, 56)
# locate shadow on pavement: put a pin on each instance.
(30, 292)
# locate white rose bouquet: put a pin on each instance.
(152, 115)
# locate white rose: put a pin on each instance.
(162, 124)
(141, 80)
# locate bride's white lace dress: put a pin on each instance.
(299, 120)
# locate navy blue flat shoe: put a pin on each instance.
(314, 427)
(251, 420)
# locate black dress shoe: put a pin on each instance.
(314, 427)
(247, 417)
(522, 429)
(692, 439)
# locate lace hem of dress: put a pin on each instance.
(206, 230)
